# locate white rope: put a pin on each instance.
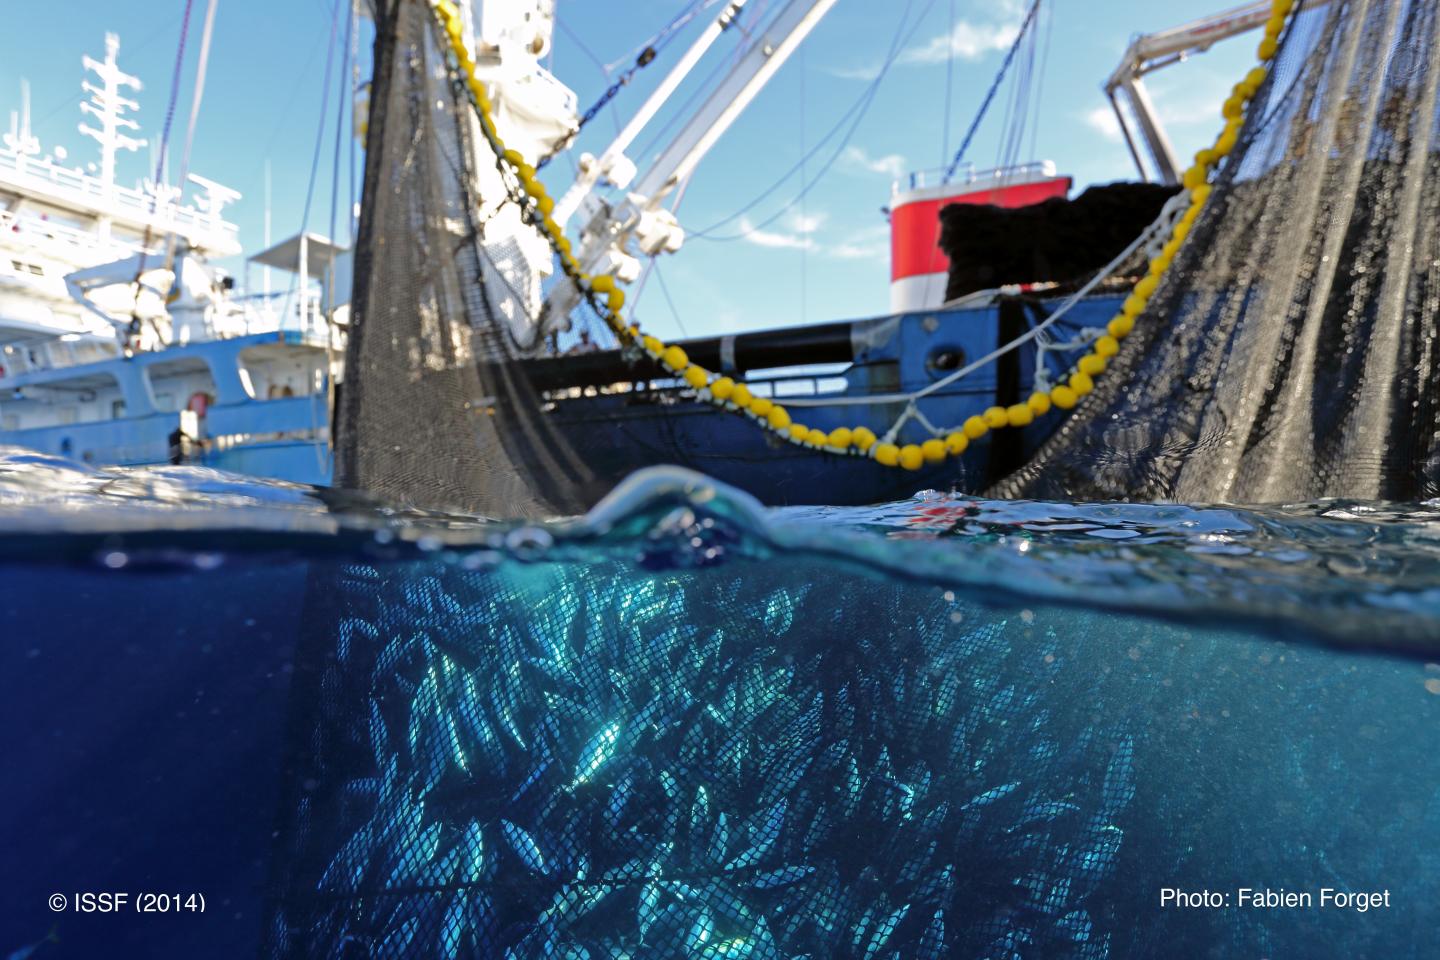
(1163, 221)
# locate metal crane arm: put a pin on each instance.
(1151, 52)
(606, 230)
(767, 53)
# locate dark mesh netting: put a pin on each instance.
(1056, 239)
(434, 410)
(1290, 351)
(786, 758)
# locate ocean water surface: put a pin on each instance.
(251, 719)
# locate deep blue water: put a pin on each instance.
(686, 727)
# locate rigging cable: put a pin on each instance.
(160, 164)
(804, 220)
(599, 64)
(643, 58)
(990, 95)
(315, 157)
(665, 34)
(858, 110)
(949, 88)
(665, 290)
(664, 134)
(1007, 152)
(1045, 31)
(322, 449)
(352, 215)
(205, 34)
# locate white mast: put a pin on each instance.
(20, 139)
(108, 107)
(265, 274)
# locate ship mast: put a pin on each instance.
(20, 139)
(108, 106)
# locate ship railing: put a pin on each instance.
(281, 312)
(968, 173)
(306, 319)
(61, 234)
(166, 215)
(31, 356)
(813, 380)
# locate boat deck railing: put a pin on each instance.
(76, 188)
(34, 229)
(31, 356)
(968, 175)
(301, 312)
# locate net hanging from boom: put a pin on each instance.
(1290, 351)
(435, 408)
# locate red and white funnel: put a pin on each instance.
(918, 268)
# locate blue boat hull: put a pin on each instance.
(617, 433)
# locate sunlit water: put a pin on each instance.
(686, 727)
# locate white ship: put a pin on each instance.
(120, 342)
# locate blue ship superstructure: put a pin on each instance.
(255, 404)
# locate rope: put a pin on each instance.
(315, 156)
(643, 60)
(990, 95)
(200, 71)
(160, 164)
(861, 104)
(949, 89)
(607, 299)
(666, 34)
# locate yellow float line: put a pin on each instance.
(724, 392)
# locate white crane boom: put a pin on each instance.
(708, 124)
(605, 231)
(612, 164)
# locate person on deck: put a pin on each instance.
(584, 345)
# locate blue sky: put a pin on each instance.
(821, 259)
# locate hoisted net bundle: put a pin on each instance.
(435, 408)
(1289, 352)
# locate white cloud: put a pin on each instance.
(774, 238)
(891, 164)
(855, 73)
(795, 236)
(800, 223)
(872, 243)
(1102, 119)
(800, 232)
(859, 251)
(967, 41)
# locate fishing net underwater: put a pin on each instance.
(589, 758)
(686, 727)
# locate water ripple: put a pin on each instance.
(1349, 572)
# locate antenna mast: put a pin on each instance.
(108, 107)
